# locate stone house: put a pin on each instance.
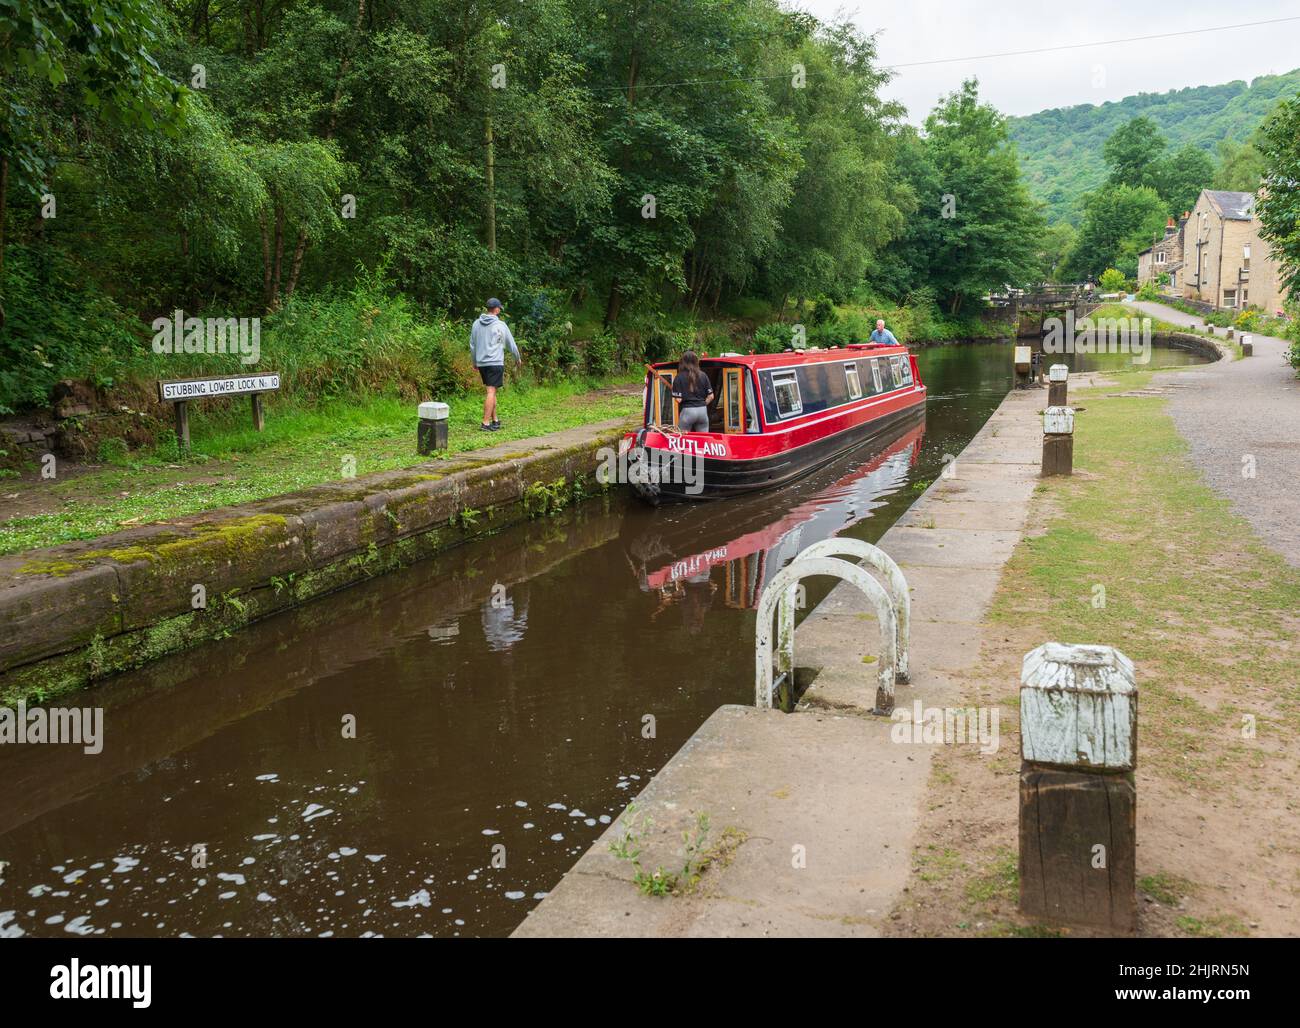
(1226, 262)
(1165, 257)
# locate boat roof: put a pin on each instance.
(786, 358)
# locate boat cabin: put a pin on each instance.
(757, 393)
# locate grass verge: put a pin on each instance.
(299, 448)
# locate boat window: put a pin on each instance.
(734, 398)
(905, 369)
(786, 386)
(886, 373)
(665, 407)
(896, 366)
(851, 376)
(822, 386)
(751, 405)
(875, 377)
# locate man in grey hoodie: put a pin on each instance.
(487, 341)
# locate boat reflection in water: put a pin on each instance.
(736, 546)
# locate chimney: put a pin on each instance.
(1170, 228)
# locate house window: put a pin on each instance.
(1230, 298)
(1160, 257)
(786, 386)
(855, 384)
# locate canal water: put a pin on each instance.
(427, 753)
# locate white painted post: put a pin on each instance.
(1078, 707)
(1058, 441)
(1078, 802)
(431, 434)
(1247, 344)
(1023, 359)
(875, 557)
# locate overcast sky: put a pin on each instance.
(928, 30)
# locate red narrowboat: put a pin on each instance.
(775, 417)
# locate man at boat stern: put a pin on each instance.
(882, 335)
(487, 345)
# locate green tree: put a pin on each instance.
(976, 228)
(1113, 281)
(1181, 176)
(101, 53)
(1278, 206)
(1133, 153)
(847, 201)
(1055, 244)
(1119, 221)
(1240, 166)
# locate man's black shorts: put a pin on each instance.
(492, 374)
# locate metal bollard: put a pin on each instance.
(1058, 441)
(1078, 801)
(431, 434)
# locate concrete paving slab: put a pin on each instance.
(951, 547)
(970, 514)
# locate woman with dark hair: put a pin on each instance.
(692, 390)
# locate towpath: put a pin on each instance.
(1242, 422)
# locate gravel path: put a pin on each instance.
(1238, 412)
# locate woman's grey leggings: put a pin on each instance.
(693, 419)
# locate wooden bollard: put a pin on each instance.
(1058, 441)
(1078, 802)
(1247, 345)
(1058, 376)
